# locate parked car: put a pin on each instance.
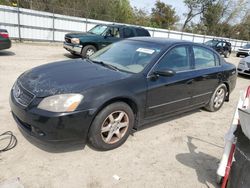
(5, 42)
(244, 66)
(244, 51)
(85, 44)
(223, 47)
(119, 88)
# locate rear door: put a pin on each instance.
(207, 74)
(128, 32)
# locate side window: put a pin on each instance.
(113, 32)
(176, 59)
(128, 32)
(116, 32)
(219, 44)
(204, 58)
(142, 32)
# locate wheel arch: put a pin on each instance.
(90, 43)
(127, 100)
(228, 91)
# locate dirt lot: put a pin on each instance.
(181, 152)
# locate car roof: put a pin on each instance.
(160, 40)
(120, 25)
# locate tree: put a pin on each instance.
(141, 17)
(164, 16)
(195, 8)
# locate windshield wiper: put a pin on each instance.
(106, 65)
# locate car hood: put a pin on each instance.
(80, 34)
(71, 76)
(246, 59)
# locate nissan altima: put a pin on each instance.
(121, 87)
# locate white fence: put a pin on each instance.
(26, 24)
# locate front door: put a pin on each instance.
(112, 35)
(167, 95)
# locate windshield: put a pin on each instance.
(98, 30)
(129, 56)
(247, 46)
(211, 42)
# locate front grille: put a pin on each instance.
(68, 40)
(247, 71)
(21, 95)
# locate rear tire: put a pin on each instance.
(237, 55)
(217, 99)
(88, 51)
(111, 126)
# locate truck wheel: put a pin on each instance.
(226, 54)
(111, 127)
(88, 51)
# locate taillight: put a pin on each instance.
(4, 35)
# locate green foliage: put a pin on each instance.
(164, 16)
(215, 17)
(141, 17)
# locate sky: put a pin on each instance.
(149, 4)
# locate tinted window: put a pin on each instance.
(142, 32)
(176, 59)
(128, 32)
(204, 58)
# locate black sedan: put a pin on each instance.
(5, 42)
(121, 87)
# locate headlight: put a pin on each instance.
(61, 103)
(75, 41)
(243, 63)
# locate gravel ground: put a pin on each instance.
(181, 152)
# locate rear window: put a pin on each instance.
(142, 32)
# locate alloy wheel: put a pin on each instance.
(90, 52)
(219, 98)
(114, 127)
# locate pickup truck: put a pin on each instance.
(87, 43)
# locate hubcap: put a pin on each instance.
(114, 127)
(219, 98)
(90, 52)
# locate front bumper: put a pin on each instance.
(73, 48)
(243, 70)
(52, 127)
(243, 53)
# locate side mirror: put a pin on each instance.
(165, 73)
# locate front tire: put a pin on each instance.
(217, 98)
(226, 54)
(111, 127)
(88, 51)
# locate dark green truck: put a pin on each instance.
(87, 43)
